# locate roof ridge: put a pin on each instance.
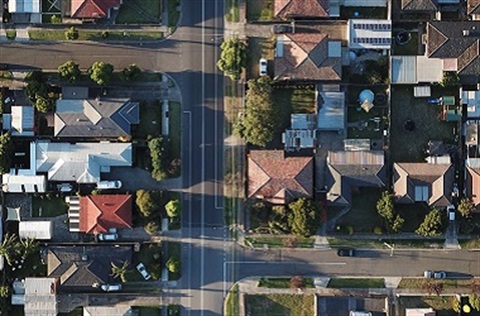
(98, 217)
(125, 200)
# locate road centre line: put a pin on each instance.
(202, 218)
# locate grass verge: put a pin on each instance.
(173, 12)
(339, 283)
(282, 283)
(279, 305)
(418, 283)
(175, 129)
(231, 302)
(174, 250)
(281, 242)
(97, 36)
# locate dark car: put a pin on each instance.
(282, 29)
(346, 252)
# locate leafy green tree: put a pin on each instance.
(385, 207)
(450, 79)
(173, 265)
(397, 224)
(119, 271)
(9, 248)
(6, 152)
(27, 247)
(259, 122)
(233, 58)
(43, 104)
(151, 227)
(4, 291)
(69, 71)
(147, 202)
(474, 300)
(305, 218)
(101, 73)
(160, 157)
(173, 208)
(36, 88)
(55, 19)
(431, 225)
(71, 34)
(130, 73)
(466, 207)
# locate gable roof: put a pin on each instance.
(80, 162)
(419, 5)
(347, 169)
(81, 9)
(95, 117)
(434, 182)
(307, 56)
(84, 266)
(473, 7)
(304, 8)
(279, 179)
(472, 184)
(99, 213)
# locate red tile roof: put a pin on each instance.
(99, 213)
(473, 185)
(306, 8)
(97, 9)
(279, 179)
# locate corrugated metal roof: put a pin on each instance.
(40, 297)
(331, 113)
(22, 120)
(24, 183)
(35, 229)
(403, 69)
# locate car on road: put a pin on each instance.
(111, 287)
(105, 185)
(143, 271)
(107, 237)
(282, 29)
(451, 212)
(263, 65)
(429, 274)
(346, 252)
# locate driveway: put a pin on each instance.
(136, 178)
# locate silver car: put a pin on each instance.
(143, 271)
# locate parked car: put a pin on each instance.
(451, 212)
(282, 29)
(429, 274)
(109, 185)
(263, 67)
(143, 271)
(107, 237)
(346, 252)
(111, 287)
(64, 187)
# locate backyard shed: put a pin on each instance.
(41, 230)
(422, 91)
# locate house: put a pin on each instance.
(473, 9)
(90, 9)
(349, 170)
(369, 34)
(307, 56)
(423, 182)
(101, 118)
(472, 184)
(286, 9)
(100, 213)
(38, 230)
(117, 310)
(302, 132)
(78, 269)
(20, 122)
(278, 179)
(25, 11)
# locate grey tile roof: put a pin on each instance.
(95, 118)
(419, 5)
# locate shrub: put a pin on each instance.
(378, 230)
(350, 230)
(173, 265)
(152, 228)
(71, 34)
(55, 19)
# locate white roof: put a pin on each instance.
(117, 310)
(415, 69)
(41, 230)
(422, 91)
(24, 6)
(429, 69)
(331, 113)
(80, 162)
(40, 297)
(472, 100)
(23, 183)
(374, 34)
(22, 120)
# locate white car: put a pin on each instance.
(451, 212)
(111, 287)
(143, 271)
(109, 184)
(107, 237)
(263, 67)
(429, 274)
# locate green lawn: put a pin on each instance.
(279, 305)
(231, 302)
(259, 47)
(441, 304)
(363, 216)
(140, 11)
(356, 283)
(413, 214)
(410, 146)
(76, 312)
(42, 206)
(280, 242)
(364, 12)
(151, 120)
(148, 310)
(173, 13)
(260, 10)
(151, 256)
(411, 48)
(90, 35)
(281, 283)
(174, 250)
(175, 128)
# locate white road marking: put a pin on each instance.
(202, 220)
(190, 240)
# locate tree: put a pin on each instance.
(147, 202)
(233, 58)
(474, 300)
(431, 225)
(160, 157)
(101, 73)
(151, 227)
(385, 208)
(9, 247)
(305, 217)
(449, 79)
(173, 265)
(43, 104)
(71, 34)
(6, 152)
(397, 224)
(466, 207)
(259, 122)
(130, 73)
(69, 71)
(173, 208)
(36, 88)
(4, 291)
(27, 247)
(55, 19)
(119, 271)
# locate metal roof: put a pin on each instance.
(331, 111)
(35, 229)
